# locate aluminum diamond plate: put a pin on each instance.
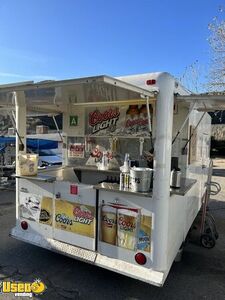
(57, 246)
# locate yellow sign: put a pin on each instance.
(23, 289)
(75, 217)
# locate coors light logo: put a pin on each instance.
(103, 120)
(82, 216)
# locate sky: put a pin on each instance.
(55, 39)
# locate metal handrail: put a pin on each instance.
(206, 197)
(217, 186)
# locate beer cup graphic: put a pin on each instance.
(108, 224)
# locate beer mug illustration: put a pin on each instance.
(127, 223)
(108, 224)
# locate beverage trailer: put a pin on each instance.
(80, 209)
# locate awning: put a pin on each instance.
(204, 102)
(51, 95)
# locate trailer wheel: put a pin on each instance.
(207, 241)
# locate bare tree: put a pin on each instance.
(192, 77)
(217, 44)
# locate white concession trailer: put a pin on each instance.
(79, 209)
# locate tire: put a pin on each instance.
(207, 241)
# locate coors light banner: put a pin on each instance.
(119, 121)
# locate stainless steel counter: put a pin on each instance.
(95, 169)
(186, 185)
(114, 187)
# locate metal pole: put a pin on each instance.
(17, 133)
(193, 132)
(149, 124)
(20, 137)
(184, 123)
(149, 115)
(57, 128)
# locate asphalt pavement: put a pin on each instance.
(200, 274)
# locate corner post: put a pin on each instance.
(21, 116)
(161, 186)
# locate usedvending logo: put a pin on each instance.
(23, 289)
(103, 120)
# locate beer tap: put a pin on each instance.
(141, 141)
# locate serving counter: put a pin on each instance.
(186, 185)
